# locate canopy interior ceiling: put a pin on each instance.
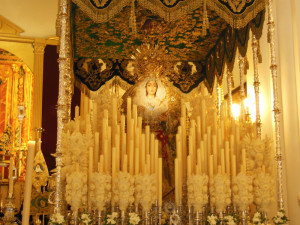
(197, 37)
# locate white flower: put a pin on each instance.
(220, 191)
(57, 218)
(134, 219)
(197, 196)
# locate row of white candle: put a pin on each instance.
(208, 147)
(123, 145)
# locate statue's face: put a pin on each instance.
(151, 87)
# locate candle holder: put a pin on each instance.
(159, 214)
(198, 218)
(190, 215)
(244, 217)
(99, 217)
(9, 210)
(74, 218)
(123, 218)
(147, 217)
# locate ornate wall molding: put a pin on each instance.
(39, 47)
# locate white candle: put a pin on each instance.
(147, 139)
(10, 177)
(86, 106)
(101, 164)
(90, 171)
(117, 144)
(106, 156)
(128, 113)
(28, 183)
(183, 146)
(96, 148)
(222, 161)
(176, 182)
(125, 161)
(131, 158)
(227, 159)
(189, 166)
(136, 162)
(143, 154)
(114, 119)
(152, 143)
(199, 138)
(203, 114)
(134, 113)
(76, 111)
(160, 182)
(233, 166)
(211, 166)
(148, 158)
(95, 112)
(215, 153)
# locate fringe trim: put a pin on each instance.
(174, 13)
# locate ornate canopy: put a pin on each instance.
(194, 34)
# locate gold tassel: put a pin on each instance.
(205, 25)
(259, 56)
(132, 19)
(246, 65)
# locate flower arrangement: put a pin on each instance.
(6, 138)
(100, 190)
(264, 191)
(111, 218)
(212, 219)
(280, 218)
(76, 189)
(57, 219)
(145, 189)
(123, 189)
(231, 219)
(259, 219)
(242, 190)
(86, 218)
(134, 219)
(220, 191)
(164, 218)
(175, 218)
(197, 191)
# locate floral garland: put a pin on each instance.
(145, 190)
(231, 219)
(280, 218)
(164, 218)
(111, 218)
(264, 191)
(212, 220)
(76, 189)
(100, 190)
(258, 219)
(57, 219)
(242, 190)
(134, 219)
(86, 218)
(123, 189)
(197, 191)
(6, 138)
(220, 191)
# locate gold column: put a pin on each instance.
(39, 47)
(276, 108)
(64, 95)
(256, 85)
